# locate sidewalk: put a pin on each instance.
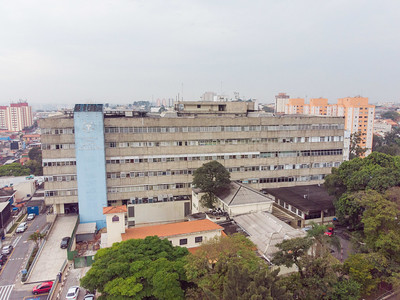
(52, 256)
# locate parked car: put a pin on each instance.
(73, 293)
(42, 288)
(21, 227)
(89, 297)
(3, 259)
(30, 217)
(64, 242)
(330, 231)
(7, 249)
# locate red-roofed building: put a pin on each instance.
(185, 234)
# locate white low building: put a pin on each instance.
(185, 234)
(236, 199)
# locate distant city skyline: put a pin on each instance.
(125, 51)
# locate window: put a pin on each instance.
(183, 242)
(198, 239)
(115, 218)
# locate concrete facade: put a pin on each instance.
(359, 115)
(149, 160)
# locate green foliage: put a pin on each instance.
(366, 269)
(229, 266)
(392, 115)
(345, 289)
(36, 237)
(349, 210)
(35, 162)
(377, 171)
(389, 144)
(14, 169)
(35, 154)
(34, 167)
(293, 252)
(209, 178)
(138, 269)
(355, 149)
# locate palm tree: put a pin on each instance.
(36, 237)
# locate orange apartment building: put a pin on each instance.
(359, 115)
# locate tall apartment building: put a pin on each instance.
(16, 117)
(280, 102)
(359, 115)
(94, 158)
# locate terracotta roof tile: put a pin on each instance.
(167, 230)
(114, 209)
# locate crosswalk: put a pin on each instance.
(5, 291)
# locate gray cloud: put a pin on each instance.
(121, 51)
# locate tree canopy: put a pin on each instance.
(228, 268)
(14, 169)
(211, 177)
(136, 269)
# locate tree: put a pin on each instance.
(228, 268)
(209, 178)
(34, 167)
(355, 149)
(377, 171)
(392, 115)
(138, 269)
(322, 242)
(36, 237)
(14, 169)
(345, 289)
(367, 269)
(35, 154)
(293, 252)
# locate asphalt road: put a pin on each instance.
(10, 275)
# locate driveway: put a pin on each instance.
(52, 256)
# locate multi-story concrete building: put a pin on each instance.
(16, 117)
(98, 158)
(280, 102)
(359, 115)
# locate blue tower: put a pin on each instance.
(90, 163)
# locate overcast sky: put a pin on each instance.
(122, 51)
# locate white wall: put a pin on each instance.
(251, 208)
(160, 212)
(191, 238)
(114, 229)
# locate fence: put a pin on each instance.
(83, 261)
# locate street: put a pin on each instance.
(10, 275)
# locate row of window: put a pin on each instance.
(60, 178)
(216, 142)
(195, 157)
(150, 187)
(59, 163)
(57, 193)
(284, 179)
(58, 131)
(197, 239)
(159, 198)
(139, 188)
(223, 128)
(57, 146)
(133, 174)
